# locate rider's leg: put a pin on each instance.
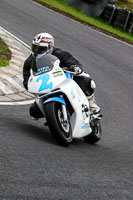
(88, 86)
(93, 106)
(35, 112)
(91, 98)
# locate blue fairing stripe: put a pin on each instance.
(69, 75)
(58, 99)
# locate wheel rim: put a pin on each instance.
(64, 124)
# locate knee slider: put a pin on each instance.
(93, 85)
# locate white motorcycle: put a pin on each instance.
(62, 102)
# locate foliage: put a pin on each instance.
(127, 4)
(93, 1)
(5, 54)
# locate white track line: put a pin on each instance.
(17, 103)
(23, 43)
(25, 102)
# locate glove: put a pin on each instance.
(76, 69)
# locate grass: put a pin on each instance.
(65, 8)
(5, 54)
(127, 4)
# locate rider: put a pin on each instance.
(42, 44)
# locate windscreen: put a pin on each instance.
(43, 64)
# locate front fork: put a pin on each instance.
(64, 111)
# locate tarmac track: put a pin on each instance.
(32, 166)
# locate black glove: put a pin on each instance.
(76, 69)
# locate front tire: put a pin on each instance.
(96, 134)
(60, 129)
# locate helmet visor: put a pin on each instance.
(38, 49)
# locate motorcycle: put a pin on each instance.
(62, 102)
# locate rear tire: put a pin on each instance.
(60, 129)
(96, 134)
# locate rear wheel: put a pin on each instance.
(96, 134)
(60, 129)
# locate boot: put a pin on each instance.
(93, 106)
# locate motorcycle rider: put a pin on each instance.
(42, 44)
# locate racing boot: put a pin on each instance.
(95, 109)
(35, 112)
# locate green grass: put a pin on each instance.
(76, 13)
(5, 54)
(127, 4)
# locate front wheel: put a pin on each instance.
(96, 134)
(60, 129)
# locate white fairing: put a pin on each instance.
(79, 120)
(46, 82)
(56, 78)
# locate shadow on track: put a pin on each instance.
(23, 126)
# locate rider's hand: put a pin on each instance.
(76, 69)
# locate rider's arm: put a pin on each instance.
(26, 71)
(66, 59)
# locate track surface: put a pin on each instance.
(32, 166)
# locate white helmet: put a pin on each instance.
(42, 44)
